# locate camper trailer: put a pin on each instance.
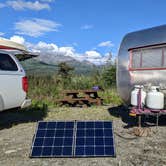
(141, 65)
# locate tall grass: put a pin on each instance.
(46, 89)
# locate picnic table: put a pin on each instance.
(80, 97)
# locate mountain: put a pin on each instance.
(50, 66)
(52, 59)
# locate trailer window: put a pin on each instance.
(148, 58)
(136, 59)
(7, 63)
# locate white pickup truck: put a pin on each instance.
(13, 80)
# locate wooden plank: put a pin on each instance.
(79, 91)
(70, 91)
(88, 97)
(73, 99)
(97, 101)
(89, 91)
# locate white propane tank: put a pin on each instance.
(155, 99)
(134, 95)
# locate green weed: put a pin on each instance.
(46, 89)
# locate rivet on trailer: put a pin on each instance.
(141, 70)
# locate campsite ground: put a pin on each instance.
(17, 129)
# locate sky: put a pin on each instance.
(83, 29)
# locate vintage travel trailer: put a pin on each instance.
(141, 65)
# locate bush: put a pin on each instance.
(109, 76)
(46, 89)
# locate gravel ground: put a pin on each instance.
(17, 130)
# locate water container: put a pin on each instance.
(134, 95)
(155, 99)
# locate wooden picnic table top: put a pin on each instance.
(79, 91)
(87, 97)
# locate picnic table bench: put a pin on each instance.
(80, 97)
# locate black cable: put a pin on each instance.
(136, 137)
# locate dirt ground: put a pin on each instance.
(17, 130)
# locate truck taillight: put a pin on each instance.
(25, 84)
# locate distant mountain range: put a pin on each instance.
(49, 65)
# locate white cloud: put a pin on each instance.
(43, 47)
(50, 48)
(93, 54)
(50, 52)
(106, 44)
(1, 33)
(23, 5)
(17, 39)
(86, 27)
(67, 51)
(95, 57)
(35, 27)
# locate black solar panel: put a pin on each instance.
(53, 139)
(73, 139)
(94, 139)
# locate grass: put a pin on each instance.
(46, 89)
(110, 96)
(75, 113)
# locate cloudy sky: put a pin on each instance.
(83, 29)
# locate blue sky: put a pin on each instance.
(86, 29)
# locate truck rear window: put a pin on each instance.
(7, 63)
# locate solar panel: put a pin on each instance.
(53, 139)
(94, 138)
(73, 139)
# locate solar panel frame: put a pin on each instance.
(73, 146)
(99, 155)
(53, 147)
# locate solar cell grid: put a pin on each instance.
(73, 139)
(94, 139)
(53, 139)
